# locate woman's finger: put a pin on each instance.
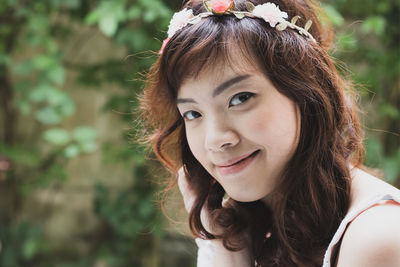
(186, 192)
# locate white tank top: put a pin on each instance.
(333, 248)
(205, 253)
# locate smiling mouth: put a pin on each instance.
(237, 166)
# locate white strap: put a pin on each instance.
(205, 254)
(350, 216)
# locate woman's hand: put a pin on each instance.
(221, 256)
(189, 197)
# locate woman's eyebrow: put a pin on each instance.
(225, 85)
(219, 89)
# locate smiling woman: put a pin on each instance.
(241, 130)
(244, 102)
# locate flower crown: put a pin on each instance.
(269, 12)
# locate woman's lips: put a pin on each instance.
(238, 164)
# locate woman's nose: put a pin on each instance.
(220, 135)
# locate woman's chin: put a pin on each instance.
(247, 197)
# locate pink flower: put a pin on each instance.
(164, 44)
(270, 13)
(220, 6)
(179, 20)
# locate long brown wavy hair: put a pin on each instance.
(314, 194)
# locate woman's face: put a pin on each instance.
(240, 128)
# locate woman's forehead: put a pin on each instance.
(228, 55)
(220, 70)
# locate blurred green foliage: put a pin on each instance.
(33, 89)
(33, 70)
(124, 217)
(368, 41)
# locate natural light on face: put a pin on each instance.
(240, 128)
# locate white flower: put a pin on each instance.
(179, 20)
(270, 13)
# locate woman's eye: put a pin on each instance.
(240, 98)
(191, 115)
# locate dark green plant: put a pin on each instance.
(32, 80)
(368, 39)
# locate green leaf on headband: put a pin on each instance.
(207, 6)
(194, 20)
(281, 26)
(239, 15)
(308, 25)
(250, 6)
(294, 19)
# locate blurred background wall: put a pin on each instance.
(75, 188)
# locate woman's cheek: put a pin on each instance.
(195, 143)
(258, 124)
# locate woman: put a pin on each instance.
(251, 105)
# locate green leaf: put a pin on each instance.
(137, 39)
(71, 4)
(239, 15)
(346, 41)
(391, 168)
(294, 19)
(71, 151)
(308, 25)
(57, 97)
(21, 155)
(56, 75)
(43, 62)
(5, 59)
(108, 25)
(48, 115)
(93, 17)
(84, 134)
(23, 106)
(67, 107)
(250, 6)
(41, 93)
(134, 12)
(39, 23)
(334, 16)
(374, 152)
(29, 249)
(375, 24)
(57, 136)
(23, 86)
(24, 67)
(383, 6)
(207, 6)
(110, 14)
(59, 103)
(154, 4)
(281, 26)
(88, 146)
(390, 110)
(150, 16)
(33, 39)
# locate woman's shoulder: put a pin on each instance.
(373, 236)
(364, 186)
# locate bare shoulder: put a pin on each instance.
(373, 238)
(364, 185)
